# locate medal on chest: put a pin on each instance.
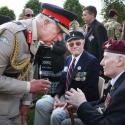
(108, 101)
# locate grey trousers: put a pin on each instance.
(68, 122)
(44, 113)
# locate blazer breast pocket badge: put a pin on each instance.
(80, 76)
(91, 37)
(65, 69)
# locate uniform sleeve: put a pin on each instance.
(9, 85)
(27, 98)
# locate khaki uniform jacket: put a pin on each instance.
(12, 91)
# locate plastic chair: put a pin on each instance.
(101, 86)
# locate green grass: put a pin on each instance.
(30, 117)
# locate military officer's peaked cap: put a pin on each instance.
(62, 17)
(73, 35)
(115, 46)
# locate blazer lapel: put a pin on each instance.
(118, 82)
(91, 29)
(80, 63)
(69, 61)
(108, 100)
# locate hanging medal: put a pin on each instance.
(29, 37)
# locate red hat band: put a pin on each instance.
(61, 18)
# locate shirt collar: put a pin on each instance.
(114, 79)
(77, 58)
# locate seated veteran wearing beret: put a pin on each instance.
(81, 70)
(18, 42)
(113, 110)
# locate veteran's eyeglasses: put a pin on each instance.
(29, 15)
(74, 43)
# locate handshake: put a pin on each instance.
(38, 86)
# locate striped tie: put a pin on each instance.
(70, 73)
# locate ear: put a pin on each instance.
(45, 23)
(66, 45)
(120, 60)
(84, 42)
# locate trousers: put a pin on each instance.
(68, 122)
(44, 113)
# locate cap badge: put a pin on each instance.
(108, 45)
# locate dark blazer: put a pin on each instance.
(85, 76)
(94, 39)
(114, 113)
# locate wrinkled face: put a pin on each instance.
(109, 63)
(76, 47)
(49, 32)
(87, 17)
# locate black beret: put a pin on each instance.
(60, 15)
(73, 35)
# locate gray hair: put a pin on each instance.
(44, 17)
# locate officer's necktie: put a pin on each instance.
(70, 73)
(109, 87)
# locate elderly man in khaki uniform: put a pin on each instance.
(18, 42)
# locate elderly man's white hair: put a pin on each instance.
(43, 17)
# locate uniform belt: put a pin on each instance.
(13, 75)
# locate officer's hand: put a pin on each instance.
(38, 86)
